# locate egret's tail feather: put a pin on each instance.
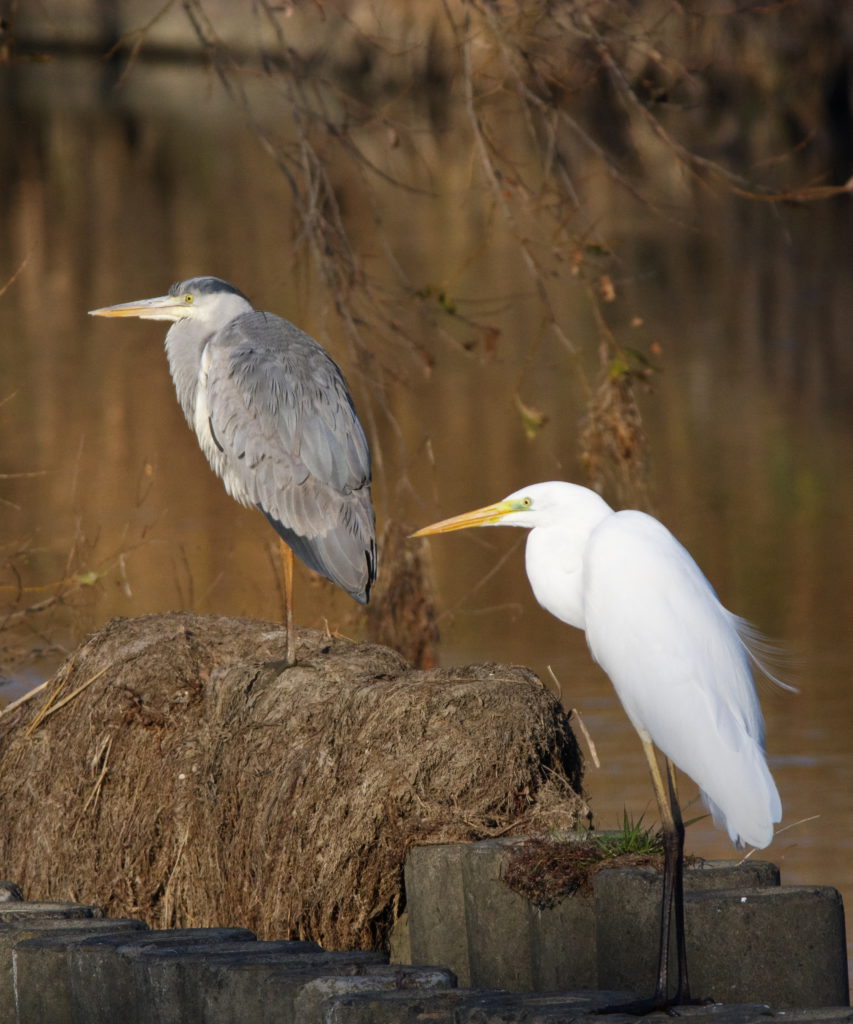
(747, 803)
(766, 655)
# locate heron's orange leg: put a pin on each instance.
(287, 570)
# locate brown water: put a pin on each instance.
(112, 195)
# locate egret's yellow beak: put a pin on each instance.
(164, 307)
(490, 515)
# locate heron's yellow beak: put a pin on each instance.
(490, 515)
(164, 307)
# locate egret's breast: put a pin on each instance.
(554, 563)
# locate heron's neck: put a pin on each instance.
(185, 341)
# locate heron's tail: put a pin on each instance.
(344, 554)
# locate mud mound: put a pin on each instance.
(175, 769)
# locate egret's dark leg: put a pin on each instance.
(673, 889)
(287, 569)
(682, 992)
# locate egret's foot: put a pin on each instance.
(654, 1004)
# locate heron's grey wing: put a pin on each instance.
(290, 443)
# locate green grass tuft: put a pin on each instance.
(633, 838)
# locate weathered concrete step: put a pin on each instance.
(39, 920)
(460, 913)
(96, 975)
(750, 940)
(480, 1006)
(219, 987)
(782, 945)
(311, 1005)
(457, 1005)
(84, 974)
(23, 912)
(103, 970)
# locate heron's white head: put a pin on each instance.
(207, 300)
(538, 505)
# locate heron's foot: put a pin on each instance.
(654, 1004)
(289, 645)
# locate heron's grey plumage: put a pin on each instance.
(273, 414)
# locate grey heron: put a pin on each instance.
(273, 414)
(679, 661)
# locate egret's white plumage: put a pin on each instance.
(677, 658)
(679, 661)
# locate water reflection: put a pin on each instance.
(107, 195)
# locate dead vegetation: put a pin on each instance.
(175, 770)
(548, 101)
(38, 619)
(48, 585)
(545, 869)
(402, 612)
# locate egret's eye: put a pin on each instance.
(526, 502)
(188, 299)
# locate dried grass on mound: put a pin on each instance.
(193, 780)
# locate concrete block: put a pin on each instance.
(784, 946)
(435, 907)
(573, 1007)
(496, 919)
(101, 968)
(34, 925)
(17, 911)
(820, 1015)
(41, 974)
(310, 1004)
(468, 1006)
(258, 984)
(730, 874)
(26, 920)
(781, 945)
(401, 1007)
(514, 945)
(544, 1008)
(461, 914)
(562, 945)
(627, 914)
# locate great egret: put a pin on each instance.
(274, 417)
(679, 661)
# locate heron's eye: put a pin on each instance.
(188, 299)
(526, 502)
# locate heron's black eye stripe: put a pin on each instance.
(213, 434)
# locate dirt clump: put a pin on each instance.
(176, 769)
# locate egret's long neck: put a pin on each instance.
(554, 559)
